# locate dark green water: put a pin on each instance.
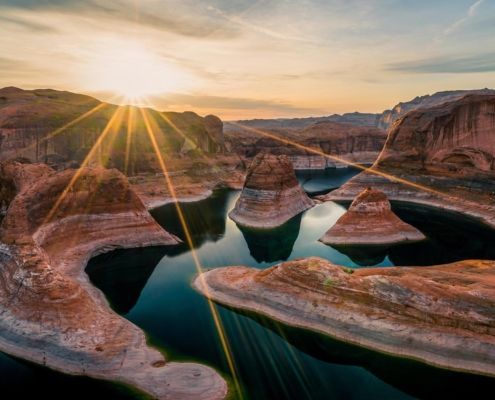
(151, 287)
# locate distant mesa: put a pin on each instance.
(370, 221)
(271, 194)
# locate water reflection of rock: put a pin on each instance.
(450, 238)
(364, 255)
(417, 379)
(270, 245)
(122, 274)
(205, 219)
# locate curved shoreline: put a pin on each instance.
(244, 293)
(54, 316)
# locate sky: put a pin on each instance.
(247, 59)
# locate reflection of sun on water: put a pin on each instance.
(132, 71)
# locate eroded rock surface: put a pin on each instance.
(441, 156)
(442, 315)
(271, 194)
(51, 314)
(370, 221)
(346, 143)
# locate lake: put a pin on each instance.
(152, 288)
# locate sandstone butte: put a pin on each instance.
(51, 314)
(441, 315)
(271, 194)
(370, 221)
(446, 153)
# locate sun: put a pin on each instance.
(133, 72)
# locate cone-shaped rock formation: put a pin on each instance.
(271, 194)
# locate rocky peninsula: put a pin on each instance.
(51, 314)
(271, 195)
(370, 221)
(441, 315)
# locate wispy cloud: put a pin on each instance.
(471, 12)
(448, 64)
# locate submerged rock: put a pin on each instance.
(370, 221)
(441, 315)
(51, 314)
(271, 194)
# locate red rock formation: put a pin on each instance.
(51, 314)
(348, 143)
(388, 117)
(441, 315)
(370, 221)
(442, 156)
(37, 125)
(271, 194)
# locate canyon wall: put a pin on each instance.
(322, 145)
(60, 128)
(441, 156)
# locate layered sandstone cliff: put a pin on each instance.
(442, 156)
(321, 145)
(441, 315)
(388, 117)
(271, 194)
(60, 128)
(370, 221)
(51, 314)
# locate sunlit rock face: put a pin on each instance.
(441, 156)
(442, 315)
(271, 194)
(388, 117)
(329, 144)
(59, 129)
(51, 314)
(370, 221)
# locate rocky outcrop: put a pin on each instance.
(441, 315)
(388, 117)
(370, 221)
(59, 129)
(329, 144)
(51, 314)
(441, 156)
(271, 194)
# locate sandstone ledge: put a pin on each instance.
(54, 316)
(441, 315)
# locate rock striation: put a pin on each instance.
(370, 221)
(51, 314)
(271, 194)
(346, 143)
(388, 117)
(442, 157)
(441, 315)
(59, 128)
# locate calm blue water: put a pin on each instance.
(151, 287)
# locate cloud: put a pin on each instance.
(450, 65)
(221, 103)
(26, 24)
(471, 12)
(174, 17)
